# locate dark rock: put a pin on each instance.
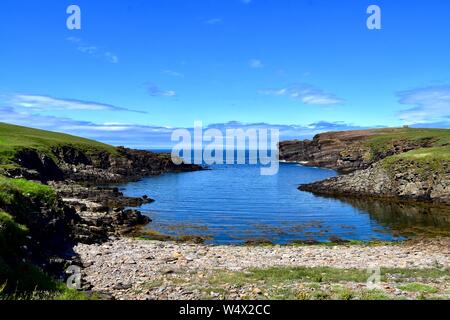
(407, 180)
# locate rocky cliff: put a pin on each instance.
(402, 179)
(348, 151)
(67, 202)
(67, 162)
(410, 164)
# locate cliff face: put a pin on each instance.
(71, 163)
(402, 179)
(411, 164)
(346, 151)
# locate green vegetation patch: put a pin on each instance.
(12, 236)
(16, 138)
(427, 154)
(322, 283)
(27, 282)
(418, 287)
(281, 274)
(436, 140)
(11, 188)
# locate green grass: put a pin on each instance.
(321, 274)
(439, 137)
(322, 283)
(12, 235)
(435, 153)
(19, 279)
(9, 188)
(438, 140)
(15, 138)
(418, 287)
(27, 282)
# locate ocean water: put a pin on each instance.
(232, 204)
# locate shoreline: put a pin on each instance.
(125, 268)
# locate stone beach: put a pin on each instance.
(122, 268)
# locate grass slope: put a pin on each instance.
(15, 138)
(439, 138)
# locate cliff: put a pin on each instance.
(348, 151)
(397, 178)
(48, 156)
(41, 220)
(409, 164)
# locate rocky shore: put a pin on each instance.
(71, 202)
(73, 217)
(101, 211)
(406, 180)
(403, 163)
(139, 269)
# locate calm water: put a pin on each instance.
(234, 203)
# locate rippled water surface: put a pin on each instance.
(234, 203)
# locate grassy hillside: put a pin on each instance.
(439, 140)
(15, 138)
(20, 279)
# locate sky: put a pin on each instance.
(138, 68)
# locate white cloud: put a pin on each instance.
(156, 91)
(148, 136)
(43, 102)
(306, 94)
(88, 49)
(255, 63)
(430, 104)
(93, 51)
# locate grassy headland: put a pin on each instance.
(20, 204)
(16, 138)
(437, 140)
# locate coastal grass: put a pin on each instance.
(437, 139)
(427, 154)
(12, 236)
(15, 138)
(20, 280)
(418, 287)
(27, 282)
(324, 274)
(323, 283)
(11, 188)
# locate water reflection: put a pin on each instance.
(406, 218)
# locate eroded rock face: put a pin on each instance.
(70, 163)
(410, 180)
(35, 166)
(102, 211)
(345, 151)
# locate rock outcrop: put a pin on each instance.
(402, 179)
(345, 151)
(85, 209)
(375, 164)
(102, 211)
(70, 163)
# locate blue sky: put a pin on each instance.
(137, 68)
